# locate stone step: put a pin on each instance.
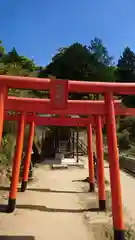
(61, 166)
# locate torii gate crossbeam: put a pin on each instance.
(73, 107)
(73, 86)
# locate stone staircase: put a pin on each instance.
(68, 151)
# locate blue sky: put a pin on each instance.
(37, 28)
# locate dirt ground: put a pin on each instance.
(128, 194)
(49, 209)
(58, 205)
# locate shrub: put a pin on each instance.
(7, 149)
(124, 141)
(128, 124)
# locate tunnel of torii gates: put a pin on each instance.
(98, 113)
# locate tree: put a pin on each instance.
(105, 71)
(60, 53)
(128, 124)
(124, 141)
(100, 52)
(126, 73)
(27, 64)
(78, 62)
(74, 62)
(2, 49)
(126, 66)
(3, 69)
(12, 58)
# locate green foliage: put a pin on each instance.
(100, 52)
(2, 49)
(126, 66)
(123, 140)
(104, 130)
(12, 57)
(7, 149)
(27, 64)
(78, 62)
(74, 59)
(12, 63)
(126, 73)
(128, 124)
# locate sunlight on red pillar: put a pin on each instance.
(16, 164)
(28, 157)
(100, 164)
(90, 160)
(117, 210)
(3, 94)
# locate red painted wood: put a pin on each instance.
(58, 94)
(74, 107)
(52, 121)
(73, 86)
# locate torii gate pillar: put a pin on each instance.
(16, 165)
(100, 164)
(90, 160)
(117, 211)
(3, 96)
(28, 157)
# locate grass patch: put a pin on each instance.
(7, 149)
(130, 233)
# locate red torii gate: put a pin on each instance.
(61, 121)
(59, 91)
(21, 104)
